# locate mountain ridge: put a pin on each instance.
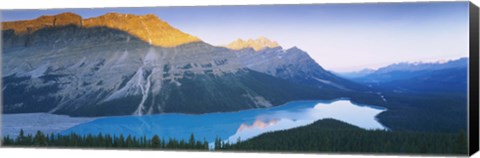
(92, 70)
(444, 76)
(408, 66)
(256, 44)
(45, 21)
(147, 27)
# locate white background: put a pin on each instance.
(87, 153)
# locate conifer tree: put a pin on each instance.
(155, 141)
(40, 139)
(191, 141)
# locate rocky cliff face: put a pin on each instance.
(294, 65)
(99, 67)
(256, 44)
(148, 28)
(46, 21)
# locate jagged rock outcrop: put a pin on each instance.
(257, 44)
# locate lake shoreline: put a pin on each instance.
(244, 123)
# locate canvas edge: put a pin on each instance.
(473, 98)
(473, 84)
(1, 82)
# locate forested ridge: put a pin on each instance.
(327, 135)
(103, 141)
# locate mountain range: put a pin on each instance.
(124, 64)
(440, 76)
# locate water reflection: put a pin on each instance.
(233, 126)
(343, 110)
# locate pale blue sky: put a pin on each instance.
(340, 37)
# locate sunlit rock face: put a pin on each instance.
(46, 21)
(109, 65)
(256, 44)
(148, 28)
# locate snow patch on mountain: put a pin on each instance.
(123, 57)
(133, 87)
(259, 100)
(145, 89)
(35, 73)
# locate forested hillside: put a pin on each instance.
(330, 135)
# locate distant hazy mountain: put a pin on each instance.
(122, 64)
(356, 74)
(437, 76)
